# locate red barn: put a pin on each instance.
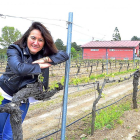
(124, 50)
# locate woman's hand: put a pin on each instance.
(42, 63)
(39, 61)
(45, 65)
(43, 60)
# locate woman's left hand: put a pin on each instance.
(42, 63)
(43, 60)
(39, 61)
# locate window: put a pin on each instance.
(94, 49)
(112, 58)
(126, 58)
(112, 49)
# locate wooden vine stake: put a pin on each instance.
(94, 104)
(135, 88)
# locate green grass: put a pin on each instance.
(93, 77)
(108, 117)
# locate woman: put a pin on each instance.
(34, 53)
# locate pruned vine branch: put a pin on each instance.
(31, 90)
(95, 102)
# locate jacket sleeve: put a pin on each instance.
(59, 57)
(17, 65)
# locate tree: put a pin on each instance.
(9, 36)
(75, 46)
(59, 44)
(116, 35)
(134, 38)
(3, 53)
(73, 52)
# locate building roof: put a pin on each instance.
(111, 44)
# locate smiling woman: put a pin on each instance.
(35, 41)
(33, 54)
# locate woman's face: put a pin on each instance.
(35, 41)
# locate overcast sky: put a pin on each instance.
(91, 18)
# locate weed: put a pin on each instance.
(83, 138)
(120, 122)
(109, 126)
(136, 110)
(128, 127)
(137, 137)
(108, 116)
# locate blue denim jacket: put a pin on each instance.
(24, 72)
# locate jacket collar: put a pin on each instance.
(26, 51)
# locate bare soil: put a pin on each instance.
(41, 122)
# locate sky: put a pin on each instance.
(91, 18)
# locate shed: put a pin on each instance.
(122, 50)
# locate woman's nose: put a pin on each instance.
(36, 42)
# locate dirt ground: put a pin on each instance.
(41, 122)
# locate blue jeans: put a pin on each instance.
(5, 127)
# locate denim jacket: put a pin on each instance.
(20, 71)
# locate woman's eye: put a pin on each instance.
(41, 40)
(32, 37)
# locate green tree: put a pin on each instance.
(9, 36)
(116, 35)
(59, 44)
(73, 52)
(134, 38)
(75, 46)
(3, 53)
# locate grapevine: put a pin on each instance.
(1, 98)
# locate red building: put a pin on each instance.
(124, 50)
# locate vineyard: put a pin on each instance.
(85, 70)
(89, 80)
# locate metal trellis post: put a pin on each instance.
(106, 61)
(67, 68)
(133, 58)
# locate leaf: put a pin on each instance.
(1, 98)
(56, 85)
(63, 80)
